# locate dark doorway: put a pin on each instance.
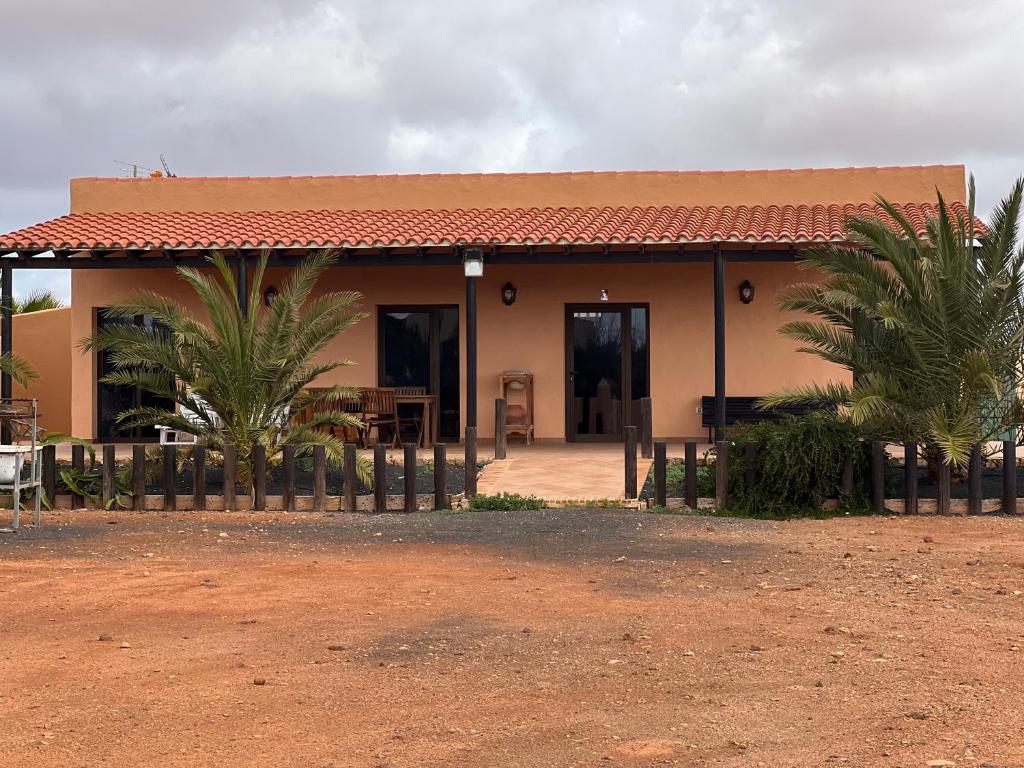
(418, 346)
(607, 368)
(114, 399)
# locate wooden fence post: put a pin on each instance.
(259, 477)
(170, 478)
(319, 478)
(409, 470)
(380, 478)
(750, 451)
(910, 504)
(138, 477)
(846, 477)
(349, 477)
(878, 477)
(690, 468)
(630, 449)
(109, 462)
(661, 473)
(49, 470)
(199, 478)
(288, 467)
(1009, 477)
(470, 461)
(500, 423)
(974, 481)
(944, 472)
(78, 466)
(722, 474)
(230, 476)
(440, 476)
(646, 428)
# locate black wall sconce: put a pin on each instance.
(508, 294)
(269, 295)
(746, 292)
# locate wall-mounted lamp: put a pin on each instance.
(269, 295)
(473, 262)
(604, 294)
(508, 294)
(746, 292)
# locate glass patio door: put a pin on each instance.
(607, 369)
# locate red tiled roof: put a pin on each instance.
(505, 226)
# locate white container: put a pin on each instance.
(8, 462)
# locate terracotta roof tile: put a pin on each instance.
(504, 226)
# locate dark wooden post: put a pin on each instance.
(910, 479)
(846, 477)
(750, 465)
(349, 477)
(500, 423)
(470, 461)
(878, 477)
(471, 382)
(109, 462)
(199, 478)
(230, 476)
(170, 477)
(409, 469)
(440, 476)
(242, 286)
(259, 477)
(138, 477)
(1009, 477)
(722, 474)
(49, 477)
(719, 344)
(78, 465)
(646, 428)
(974, 481)
(690, 468)
(944, 472)
(288, 467)
(661, 473)
(380, 478)
(6, 338)
(630, 450)
(319, 478)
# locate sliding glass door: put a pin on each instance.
(418, 346)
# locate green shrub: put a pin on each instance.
(505, 502)
(800, 465)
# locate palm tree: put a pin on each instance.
(37, 301)
(932, 328)
(243, 373)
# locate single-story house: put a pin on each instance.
(606, 287)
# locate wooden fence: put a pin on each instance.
(345, 497)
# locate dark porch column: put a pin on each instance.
(471, 351)
(6, 336)
(719, 344)
(243, 283)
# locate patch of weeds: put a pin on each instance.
(657, 509)
(505, 502)
(603, 504)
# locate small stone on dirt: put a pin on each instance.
(259, 681)
(756, 648)
(918, 715)
(104, 638)
(125, 645)
(337, 647)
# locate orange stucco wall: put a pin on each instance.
(805, 186)
(531, 333)
(44, 340)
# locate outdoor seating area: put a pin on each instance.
(389, 416)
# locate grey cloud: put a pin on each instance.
(274, 87)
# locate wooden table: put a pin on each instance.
(429, 405)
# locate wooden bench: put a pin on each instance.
(739, 410)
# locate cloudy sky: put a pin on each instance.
(255, 87)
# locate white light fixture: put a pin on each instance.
(604, 294)
(473, 262)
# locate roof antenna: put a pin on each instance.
(167, 169)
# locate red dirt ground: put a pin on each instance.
(562, 638)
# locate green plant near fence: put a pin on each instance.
(505, 502)
(799, 466)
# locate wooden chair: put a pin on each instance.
(416, 419)
(380, 410)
